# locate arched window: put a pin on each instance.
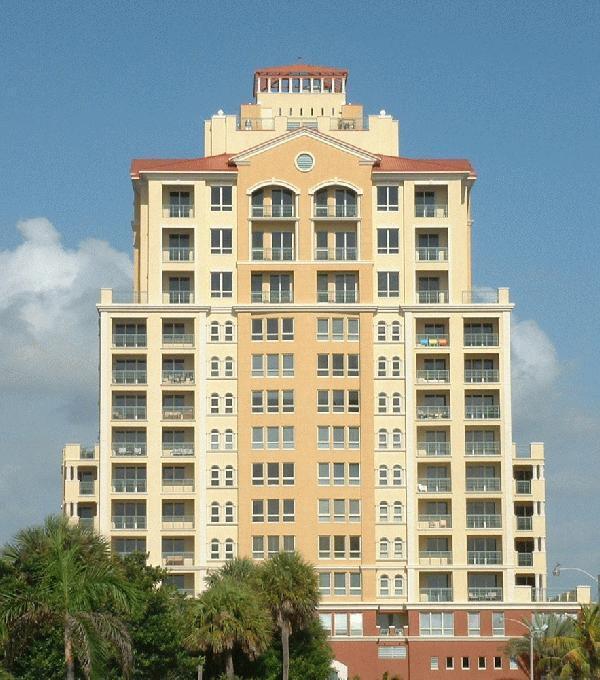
(381, 331)
(382, 439)
(398, 585)
(397, 475)
(215, 475)
(321, 203)
(396, 402)
(383, 475)
(229, 475)
(396, 439)
(395, 331)
(381, 367)
(398, 547)
(214, 440)
(228, 440)
(398, 511)
(214, 403)
(382, 403)
(215, 513)
(214, 367)
(229, 512)
(214, 331)
(384, 511)
(384, 585)
(384, 548)
(229, 549)
(229, 331)
(229, 403)
(214, 549)
(396, 367)
(228, 367)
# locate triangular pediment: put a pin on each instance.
(363, 156)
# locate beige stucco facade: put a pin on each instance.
(304, 364)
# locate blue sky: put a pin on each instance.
(512, 86)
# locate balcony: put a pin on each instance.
(129, 486)
(435, 210)
(129, 412)
(484, 557)
(178, 339)
(185, 485)
(433, 412)
(179, 450)
(434, 485)
(436, 521)
(178, 521)
(525, 559)
(435, 557)
(86, 522)
(340, 254)
(87, 487)
(177, 559)
(481, 339)
(482, 448)
(523, 487)
(339, 296)
(119, 449)
(178, 297)
(134, 377)
(272, 296)
(483, 484)
(129, 521)
(178, 413)
(433, 448)
(435, 594)
(432, 297)
(272, 211)
(249, 124)
(87, 453)
(486, 375)
(432, 340)
(129, 340)
(177, 377)
(487, 594)
(525, 523)
(178, 210)
(273, 254)
(349, 123)
(484, 521)
(432, 254)
(482, 412)
(179, 254)
(433, 375)
(335, 211)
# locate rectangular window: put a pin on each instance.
(474, 623)
(465, 663)
(326, 622)
(221, 284)
(387, 198)
(221, 241)
(388, 284)
(388, 241)
(258, 511)
(356, 624)
(498, 623)
(258, 438)
(258, 547)
(258, 365)
(449, 663)
(434, 663)
(436, 624)
(497, 663)
(481, 663)
(221, 198)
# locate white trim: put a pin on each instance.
(335, 181)
(304, 153)
(272, 182)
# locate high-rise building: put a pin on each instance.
(305, 364)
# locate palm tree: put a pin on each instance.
(240, 569)
(63, 575)
(291, 590)
(581, 658)
(228, 616)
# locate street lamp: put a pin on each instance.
(558, 568)
(531, 630)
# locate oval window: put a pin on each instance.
(305, 162)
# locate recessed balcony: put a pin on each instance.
(485, 594)
(129, 486)
(425, 448)
(435, 521)
(178, 211)
(432, 297)
(177, 377)
(485, 375)
(121, 449)
(272, 211)
(129, 377)
(87, 487)
(433, 375)
(523, 487)
(178, 412)
(178, 254)
(434, 485)
(177, 558)
(432, 210)
(432, 340)
(525, 559)
(435, 557)
(484, 521)
(129, 522)
(282, 254)
(178, 339)
(272, 296)
(182, 485)
(129, 412)
(178, 521)
(338, 296)
(524, 523)
(481, 339)
(431, 254)
(483, 484)
(336, 254)
(129, 340)
(484, 557)
(178, 450)
(178, 297)
(433, 412)
(491, 448)
(435, 594)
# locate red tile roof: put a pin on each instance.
(301, 69)
(401, 164)
(218, 163)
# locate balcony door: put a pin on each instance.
(345, 203)
(282, 245)
(282, 202)
(345, 288)
(345, 245)
(280, 288)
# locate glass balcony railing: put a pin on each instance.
(485, 594)
(86, 522)
(181, 449)
(185, 485)
(129, 485)
(177, 558)
(433, 375)
(481, 339)
(486, 375)
(272, 296)
(119, 449)
(432, 340)
(177, 377)
(272, 211)
(349, 123)
(482, 484)
(129, 412)
(432, 254)
(272, 254)
(484, 557)
(129, 521)
(482, 412)
(178, 521)
(87, 453)
(482, 448)
(349, 253)
(178, 339)
(87, 487)
(433, 412)
(432, 297)
(431, 210)
(484, 521)
(134, 377)
(129, 340)
(178, 297)
(525, 559)
(339, 296)
(433, 448)
(436, 521)
(179, 254)
(435, 594)
(433, 557)
(523, 486)
(178, 210)
(434, 485)
(339, 210)
(178, 413)
(525, 523)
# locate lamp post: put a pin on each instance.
(558, 568)
(531, 630)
